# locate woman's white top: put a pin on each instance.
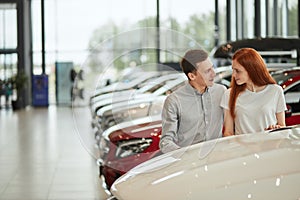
(256, 111)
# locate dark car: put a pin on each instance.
(282, 52)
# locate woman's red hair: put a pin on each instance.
(254, 64)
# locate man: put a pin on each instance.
(192, 113)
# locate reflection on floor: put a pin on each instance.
(48, 153)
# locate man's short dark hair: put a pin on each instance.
(191, 58)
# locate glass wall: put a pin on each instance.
(192, 18)
(114, 35)
(222, 21)
(72, 29)
(8, 40)
(248, 23)
(8, 51)
(278, 18)
(8, 24)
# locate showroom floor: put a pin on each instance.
(48, 153)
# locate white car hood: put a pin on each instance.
(252, 166)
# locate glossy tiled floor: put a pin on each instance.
(48, 153)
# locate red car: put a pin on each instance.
(126, 145)
(292, 120)
(290, 82)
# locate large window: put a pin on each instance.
(8, 49)
(8, 40)
(194, 19)
(101, 35)
(98, 35)
(8, 26)
(118, 34)
(222, 22)
(277, 18)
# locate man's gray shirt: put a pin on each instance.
(189, 117)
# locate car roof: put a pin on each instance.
(170, 85)
(287, 77)
(260, 44)
(118, 86)
(292, 70)
(128, 124)
(125, 105)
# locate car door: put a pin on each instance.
(292, 96)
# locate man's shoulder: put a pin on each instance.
(182, 92)
(181, 89)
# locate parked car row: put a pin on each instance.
(159, 85)
(123, 118)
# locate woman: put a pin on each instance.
(254, 102)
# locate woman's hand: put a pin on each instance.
(227, 134)
(272, 127)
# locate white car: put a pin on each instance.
(165, 89)
(126, 84)
(250, 166)
(147, 86)
(125, 111)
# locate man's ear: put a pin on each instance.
(191, 76)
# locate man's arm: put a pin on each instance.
(168, 141)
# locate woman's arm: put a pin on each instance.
(280, 119)
(228, 124)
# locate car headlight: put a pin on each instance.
(131, 147)
(103, 147)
